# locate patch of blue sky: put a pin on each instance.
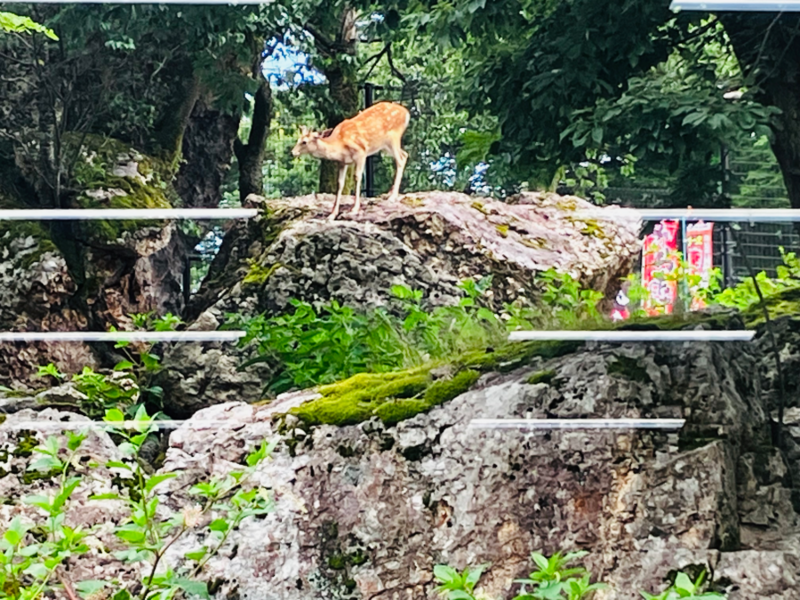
(287, 66)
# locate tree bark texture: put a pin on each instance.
(767, 46)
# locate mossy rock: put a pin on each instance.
(15, 230)
(785, 303)
(111, 174)
(400, 395)
(545, 377)
(259, 274)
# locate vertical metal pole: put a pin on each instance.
(723, 252)
(683, 285)
(187, 281)
(369, 187)
(727, 238)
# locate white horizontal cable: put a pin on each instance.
(103, 425)
(736, 5)
(124, 214)
(756, 215)
(474, 424)
(576, 423)
(634, 336)
(120, 336)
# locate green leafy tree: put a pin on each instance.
(586, 92)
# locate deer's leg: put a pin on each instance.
(400, 158)
(360, 162)
(342, 177)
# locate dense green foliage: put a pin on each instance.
(12, 23)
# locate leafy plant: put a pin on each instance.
(684, 587)
(129, 384)
(564, 304)
(11, 23)
(310, 347)
(457, 586)
(34, 558)
(554, 580)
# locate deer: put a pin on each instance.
(377, 128)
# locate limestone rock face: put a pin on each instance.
(429, 241)
(367, 511)
(139, 272)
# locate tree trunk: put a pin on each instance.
(167, 138)
(767, 46)
(206, 155)
(342, 77)
(251, 155)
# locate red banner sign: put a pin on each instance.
(700, 250)
(659, 265)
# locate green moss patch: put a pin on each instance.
(14, 230)
(258, 274)
(401, 395)
(99, 158)
(545, 377)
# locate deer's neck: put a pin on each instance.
(332, 149)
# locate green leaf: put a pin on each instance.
(37, 570)
(114, 415)
(684, 584)
(153, 481)
(130, 533)
(197, 555)
(445, 574)
(219, 525)
(88, 587)
(193, 588)
(45, 463)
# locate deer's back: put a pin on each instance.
(373, 125)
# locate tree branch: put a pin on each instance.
(325, 44)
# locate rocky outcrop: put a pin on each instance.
(139, 272)
(428, 241)
(366, 511)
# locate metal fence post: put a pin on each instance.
(369, 187)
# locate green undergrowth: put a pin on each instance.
(398, 395)
(785, 303)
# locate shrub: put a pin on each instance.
(35, 557)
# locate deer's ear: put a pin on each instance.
(303, 130)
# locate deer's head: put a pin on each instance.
(306, 143)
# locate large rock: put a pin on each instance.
(367, 511)
(428, 241)
(139, 272)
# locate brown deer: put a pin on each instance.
(377, 128)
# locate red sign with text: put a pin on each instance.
(700, 248)
(659, 266)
